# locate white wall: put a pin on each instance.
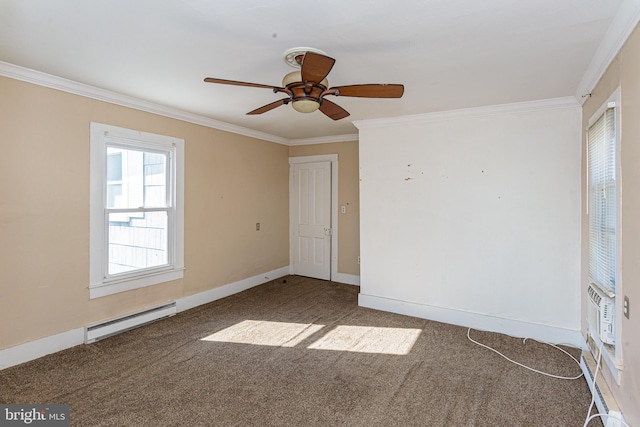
(473, 217)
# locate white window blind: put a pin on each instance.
(602, 201)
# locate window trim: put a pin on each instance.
(99, 284)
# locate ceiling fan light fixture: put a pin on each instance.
(292, 77)
(296, 77)
(305, 105)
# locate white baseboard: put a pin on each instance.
(206, 297)
(22, 353)
(605, 401)
(348, 279)
(516, 328)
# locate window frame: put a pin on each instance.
(613, 359)
(139, 212)
(103, 136)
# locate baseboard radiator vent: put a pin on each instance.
(605, 402)
(107, 329)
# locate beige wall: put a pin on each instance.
(231, 182)
(348, 195)
(623, 73)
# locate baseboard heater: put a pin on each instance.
(605, 402)
(107, 329)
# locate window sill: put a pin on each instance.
(109, 288)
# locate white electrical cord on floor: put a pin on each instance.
(593, 394)
(528, 367)
(593, 390)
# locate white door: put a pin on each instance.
(312, 219)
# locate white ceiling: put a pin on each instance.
(449, 54)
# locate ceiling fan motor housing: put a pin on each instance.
(306, 96)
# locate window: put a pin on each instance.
(137, 218)
(603, 210)
(602, 201)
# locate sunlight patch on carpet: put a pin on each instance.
(368, 339)
(261, 332)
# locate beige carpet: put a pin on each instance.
(300, 352)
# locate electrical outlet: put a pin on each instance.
(625, 307)
(257, 226)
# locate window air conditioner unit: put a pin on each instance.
(600, 314)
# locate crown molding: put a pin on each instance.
(491, 110)
(324, 139)
(17, 72)
(619, 31)
(58, 83)
(54, 82)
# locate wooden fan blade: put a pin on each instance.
(332, 110)
(315, 67)
(271, 106)
(371, 90)
(236, 83)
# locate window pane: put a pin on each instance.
(155, 179)
(114, 192)
(114, 165)
(602, 201)
(137, 240)
(135, 178)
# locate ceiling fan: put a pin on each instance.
(306, 89)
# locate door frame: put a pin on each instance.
(333, 159)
